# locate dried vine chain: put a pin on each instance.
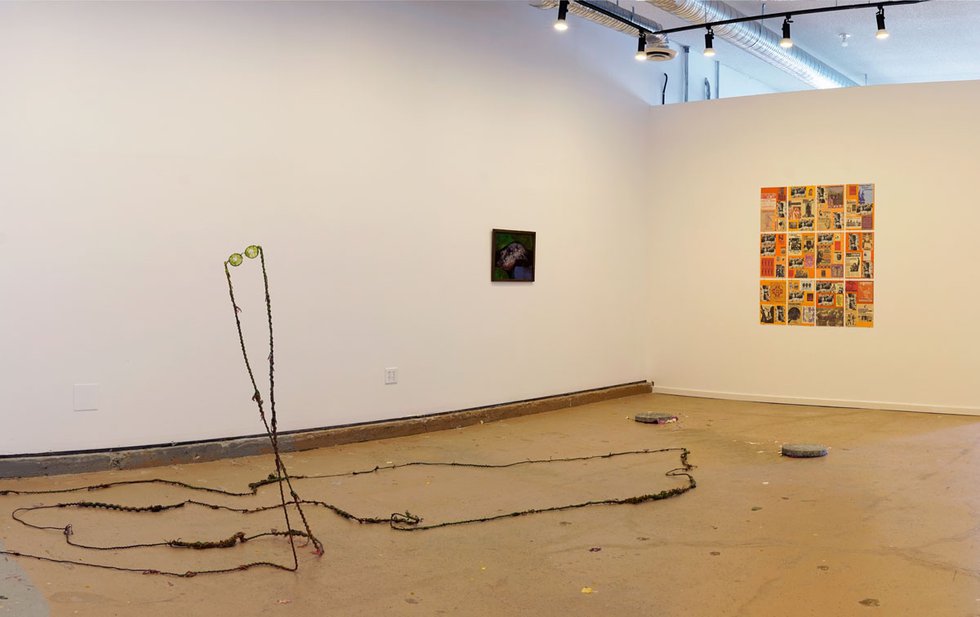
(254, 486)
(271, 429)
(398, 521)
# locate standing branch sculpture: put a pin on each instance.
(271, 423)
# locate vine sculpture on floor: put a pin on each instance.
(405, 521)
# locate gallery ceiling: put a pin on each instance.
(936, 40)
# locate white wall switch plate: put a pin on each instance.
(86, 397)
(391, 376)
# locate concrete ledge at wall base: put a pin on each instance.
(202, 451)
(819, 402)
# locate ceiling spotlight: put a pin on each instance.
(843, 39)
(641, 47)
(709, 39)
(787, 41)
(880, 17)
(560, 24)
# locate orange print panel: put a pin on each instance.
(772, 256)
(773, 209)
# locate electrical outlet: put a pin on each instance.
(391, 376)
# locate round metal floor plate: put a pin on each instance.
(650, 417)
(804, 450)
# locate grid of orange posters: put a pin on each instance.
(816, 255)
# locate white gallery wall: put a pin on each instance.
(918, 144)
(370, 148)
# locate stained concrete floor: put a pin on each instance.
(887, 524)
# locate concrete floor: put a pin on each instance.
(886, 524)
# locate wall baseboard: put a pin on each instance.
(819, 402)
(56, 463)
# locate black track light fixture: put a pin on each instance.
(709, 39)
(560, 24)
(641, 47)
(787, 41)
(880, 17)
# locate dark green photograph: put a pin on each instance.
(512, 255)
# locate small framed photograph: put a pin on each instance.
(512, 256)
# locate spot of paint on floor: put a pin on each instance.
(715, 553)
(756, 508)
(824, 568)
(870, 602)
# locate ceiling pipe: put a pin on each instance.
(757, 40)
(608, 9)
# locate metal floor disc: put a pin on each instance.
(650, 417)
(804, 450)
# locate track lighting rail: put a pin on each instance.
(827, 9)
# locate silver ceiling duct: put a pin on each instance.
(757, 40)
(656, 47)
(577, 9)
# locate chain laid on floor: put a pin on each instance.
(405, 521)
(400, 521)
